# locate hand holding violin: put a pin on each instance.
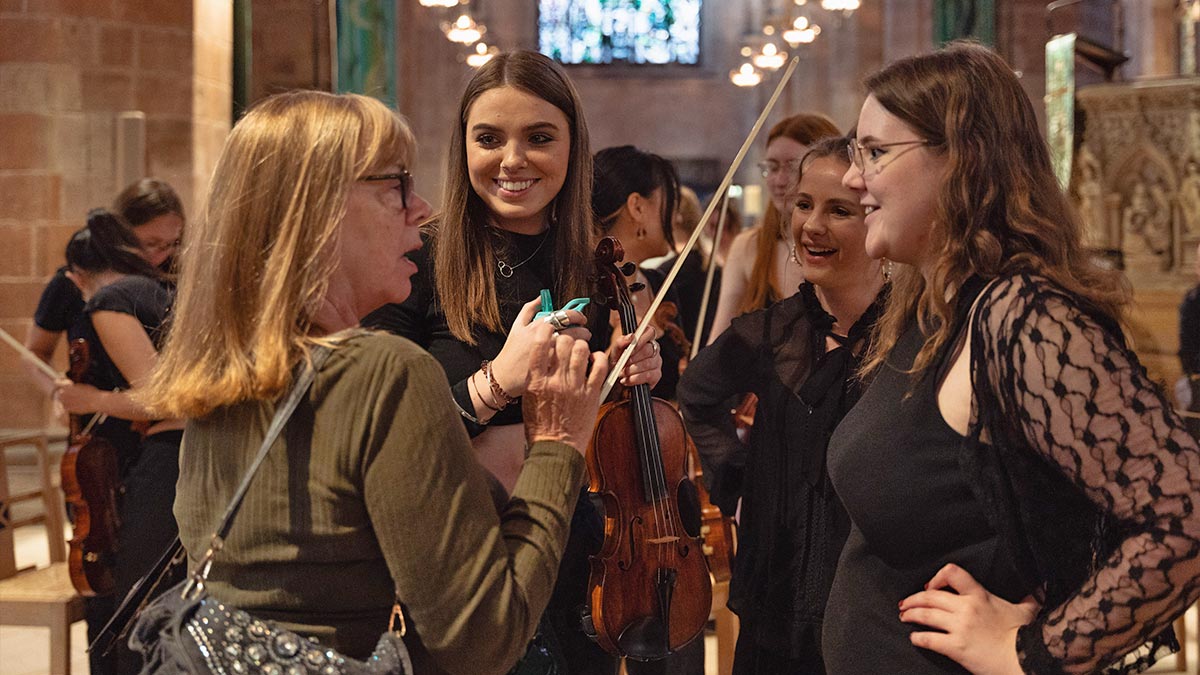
(78, 398)
(562, 398)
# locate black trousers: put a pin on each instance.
(147, 523)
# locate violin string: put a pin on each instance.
(651, 473)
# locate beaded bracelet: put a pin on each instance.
(502, 396)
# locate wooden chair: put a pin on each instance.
(37, 597)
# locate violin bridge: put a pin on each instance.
(662, 540)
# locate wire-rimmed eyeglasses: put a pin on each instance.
(406, 183)
(771, 166)
(856, 151)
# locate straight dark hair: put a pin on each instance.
(624, 170)
(105, 244)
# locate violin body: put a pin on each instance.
(91, 486)
(649, 590)
(716, 529)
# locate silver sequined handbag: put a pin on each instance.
(187, 631)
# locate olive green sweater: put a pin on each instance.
(373, 489)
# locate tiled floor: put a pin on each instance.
(26, 651)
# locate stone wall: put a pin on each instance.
(66, 70)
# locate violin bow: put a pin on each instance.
(708, 278)
(615, 373)
(30, 356)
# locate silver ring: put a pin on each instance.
(559, 319)
(654, 343)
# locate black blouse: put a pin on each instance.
(1087, 476)
(792, 525)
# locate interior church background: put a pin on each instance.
(95, 93)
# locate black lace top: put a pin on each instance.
(1085, 473)
(1079, 436)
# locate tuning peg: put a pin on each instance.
(628, 269)
(636, 286)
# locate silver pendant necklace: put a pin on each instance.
(506, 270)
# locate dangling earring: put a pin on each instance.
(641, 232)
(554, 212)
(887, 270)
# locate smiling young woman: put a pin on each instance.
(516, 218)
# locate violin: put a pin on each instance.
(716, 529)
(91, 486)
(649, 589)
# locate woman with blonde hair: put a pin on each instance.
(1031, 496)
(759, 270)
(372, 494)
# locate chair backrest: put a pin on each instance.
(25, 481)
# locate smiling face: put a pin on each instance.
(376, 235)
(159, 237)
(898, 186)
(783, 154)
(828, 227)
(518, 151)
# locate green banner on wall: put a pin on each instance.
(1060, 104)
(366, 48)
(954, 19)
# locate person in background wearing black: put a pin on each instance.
(800, 357)
(126, 301)
(1189, 350)
(152, 209)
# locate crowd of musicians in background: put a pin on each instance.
(908, 384)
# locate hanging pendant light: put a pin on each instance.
(770, 57)
(481, 55)
(746, 76)
(802, 31)
(439, 3)
(846, 6)
(464, 30)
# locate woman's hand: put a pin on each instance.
(511, 367)
(645, 365)
(77, 399)
(977, 629)
(562, 398)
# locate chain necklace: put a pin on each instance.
(506, 270)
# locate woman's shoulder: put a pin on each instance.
(130, 293)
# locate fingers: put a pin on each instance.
(942, 643)
(943, 600)
(525, 316)
(928, 616)
(541, 350)
(953, 576)
(599, 372)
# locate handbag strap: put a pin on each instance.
(316, 359)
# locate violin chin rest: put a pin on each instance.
(644, 639)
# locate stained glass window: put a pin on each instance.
(620, 31)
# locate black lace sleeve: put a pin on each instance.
(1072, 392)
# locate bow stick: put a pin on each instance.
(708, 277)
(30, 356)
(615, 373)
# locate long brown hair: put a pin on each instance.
(463, 256)
(804, 128)
(1000, 209)
(255, 265)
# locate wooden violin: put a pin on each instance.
(91, 486)
(649, 589)
(716, 529)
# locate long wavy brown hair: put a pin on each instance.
(1000, 209)
(463, 256)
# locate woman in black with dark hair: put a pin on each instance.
(154, 213)
(126, 302)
